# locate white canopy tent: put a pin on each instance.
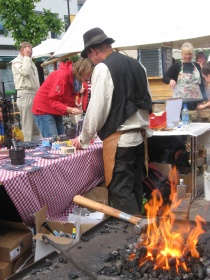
(46, 48)
(140, 24)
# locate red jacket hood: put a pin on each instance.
(66, 66)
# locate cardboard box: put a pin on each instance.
(99, 194)
(157, 120)
(5, 269)
(42, 249)
(9, 268)
(85, 220)
(88, 217)
(40, 218)
(15, 239)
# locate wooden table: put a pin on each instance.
(195, 130)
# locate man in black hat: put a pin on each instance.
(119, 113)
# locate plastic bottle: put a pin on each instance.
(185, 117)
(73, 234)
(181, 189)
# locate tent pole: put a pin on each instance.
(68, 7)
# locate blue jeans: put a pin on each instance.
(49, 125)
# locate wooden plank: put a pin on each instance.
(180, 206)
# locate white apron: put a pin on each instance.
(187, 85)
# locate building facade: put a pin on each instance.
(65, 9)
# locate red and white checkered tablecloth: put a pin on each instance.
(55, 184)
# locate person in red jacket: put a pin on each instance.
(56, 96)
(83, 97)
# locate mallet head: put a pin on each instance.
(141, 226)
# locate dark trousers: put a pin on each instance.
(125, 190)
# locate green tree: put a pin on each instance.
(20, 19)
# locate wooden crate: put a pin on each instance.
(157, 108)
(204, 113)
(159, 90)
(201, 169)
(203, 153)
(193, 114)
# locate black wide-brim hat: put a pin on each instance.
(92, 37)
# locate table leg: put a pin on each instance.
(193, 165)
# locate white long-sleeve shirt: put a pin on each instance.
(100, 106)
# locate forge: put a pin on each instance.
(183, 255)
(166, 249)
(108, 251)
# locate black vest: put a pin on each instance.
(130, 91)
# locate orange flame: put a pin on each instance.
(173, 177)
(170, 240)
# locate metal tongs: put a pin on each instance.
(75, 262)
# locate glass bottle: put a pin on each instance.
(181, 189)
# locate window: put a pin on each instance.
(2, 29)
(53, 34)
(66, 21)
(80, 4)
(6, 76)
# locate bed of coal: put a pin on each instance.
(134, 261)
(124, 263)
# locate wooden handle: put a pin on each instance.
(110, 211)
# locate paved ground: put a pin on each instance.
(200, 206)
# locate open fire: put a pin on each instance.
(168, 249)
(165, 246)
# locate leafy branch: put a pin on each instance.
(24, 24)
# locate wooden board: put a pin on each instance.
(159, 90)
(182, 210)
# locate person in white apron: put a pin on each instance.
(185, 77)
(187, 85)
